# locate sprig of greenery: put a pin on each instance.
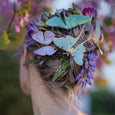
(74, 9)
(31, 61)
(65, 65)
(61, 70)
(94, 18)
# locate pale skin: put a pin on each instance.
(43, 102)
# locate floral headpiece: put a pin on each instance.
(52, 35)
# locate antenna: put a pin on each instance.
(64, 17)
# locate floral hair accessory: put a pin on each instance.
(55, 40)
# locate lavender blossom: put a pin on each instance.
(80, 74)
(89, 75)
(88, 68)
(31, 28)
(79, 82)
(88, 81)
(40, 63)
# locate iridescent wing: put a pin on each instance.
(75, 20)
(56, 22)
(47, 50)
(71, 21)
(64, 43)
(39, 37)
(78, 53)
(46, 39)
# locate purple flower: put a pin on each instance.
(82, 71)
(89, 75)
(88, 12)
(80, 74)
(96, 58)
(40, 63)
(79, 82)
(86, 68)
(30, 41)
(31, 28)
(92, 68)
(91, 63)
(88, 81)
(39, 57)
(91, 56)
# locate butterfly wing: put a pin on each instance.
(78, 53)
(56, 22)
(97, 32)
(75, 20)
(64, 43)
(47, 50)
(96, 36)
(39, 37)
(48, 37)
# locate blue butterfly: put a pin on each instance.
(67, 43)
(46, 50)
(68, 22)
(45, 39)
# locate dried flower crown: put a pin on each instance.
(66, 47)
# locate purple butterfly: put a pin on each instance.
(46, 39)
(47, 50)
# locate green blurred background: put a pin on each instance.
(12, 100)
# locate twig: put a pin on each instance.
(13, 17)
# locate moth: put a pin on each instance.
(96, 36)
(67, 43)
(67, 22)
(44, 39)
(97, 33)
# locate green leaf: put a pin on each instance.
(71, 10)
(61, 70)
(12, 36)
(4, 41)
(75, 9)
